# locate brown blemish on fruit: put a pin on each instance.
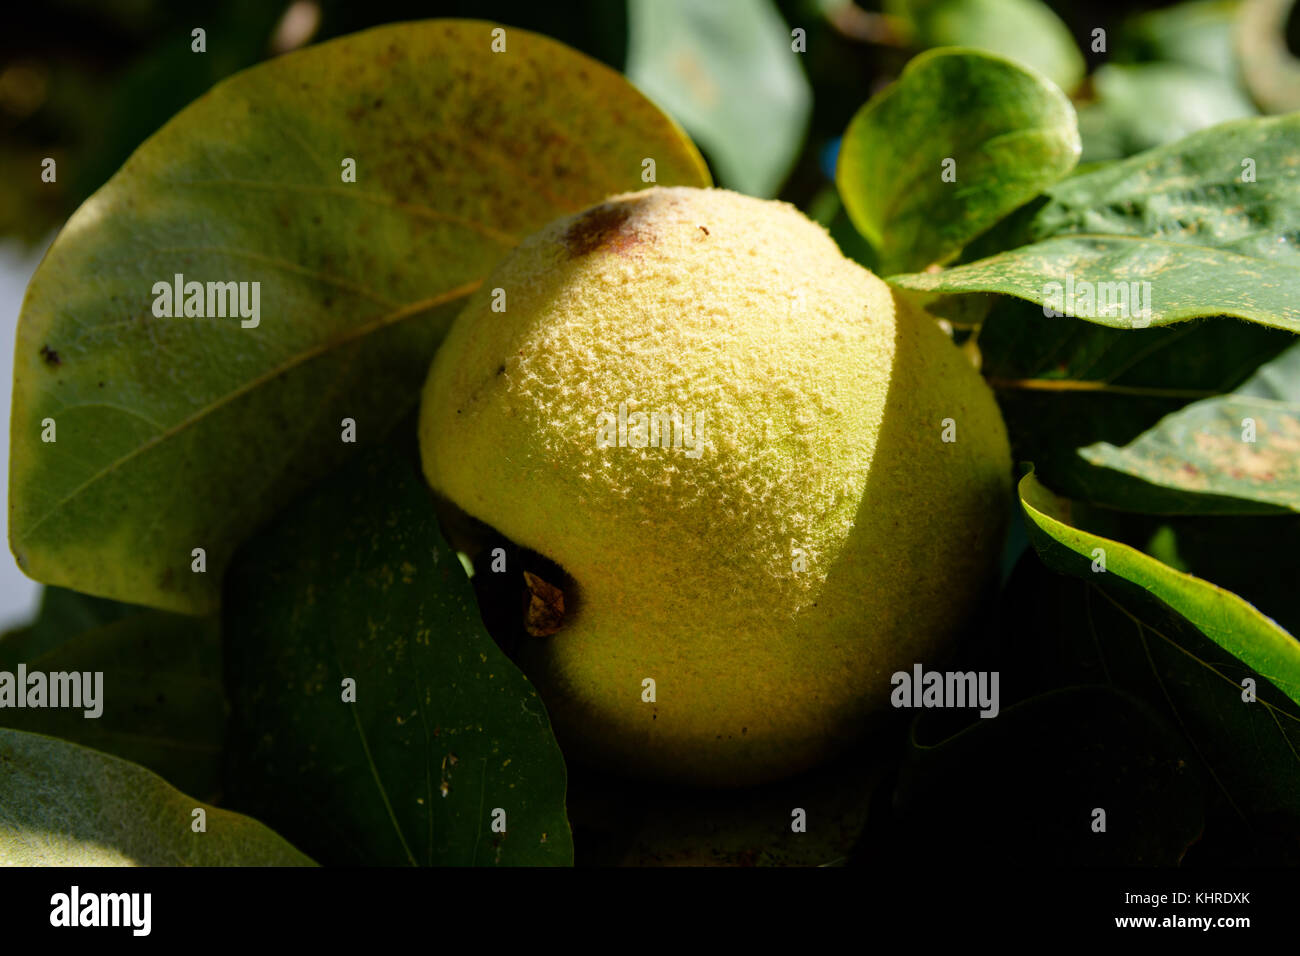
(606, 225)
(51, 357)
(545, 611)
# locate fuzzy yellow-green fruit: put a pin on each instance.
(815, 528)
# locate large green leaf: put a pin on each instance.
(1060, 631)
(445, 734)
(1064, 383)
(726, 69)
(1185, 218)
(162, 702)
(1091, 747)
(1024, 30)
(64, 613)
(182, 433)
(1223, 455)
(1131, 576)
(960, 140)
(65, 805)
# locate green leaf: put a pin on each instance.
(1009, 131)
(1205, 458)
(1270, 70)
(1064, 383)
(726, 69)
(619, 822)
(162, 704)
(65, 805)
(1147, 105)
(65, 613)
(1091, 746)
(356, 583)
(1131, 576)
(1062, 631)
(1179, 217)
(1023, 30)
(182, 433)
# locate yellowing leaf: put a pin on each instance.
(176, 434)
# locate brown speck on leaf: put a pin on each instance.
(545, 611)
(606, 225)
(51, 357)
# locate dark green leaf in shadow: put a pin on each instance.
(180, 433)
(1064, 630)
(445, 736)
(619, 822)
(960, 140)
(727, 71)
(1063, 383)
(65, 805)
(1132, 578)
(161, 703)
(1204, 226)
(1223, 455)
(1022, 788)
(64, 613)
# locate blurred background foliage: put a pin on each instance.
(85, 81)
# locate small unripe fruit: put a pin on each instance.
(810, 528)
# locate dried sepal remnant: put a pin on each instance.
(544, 614)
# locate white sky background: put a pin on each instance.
(19, 594)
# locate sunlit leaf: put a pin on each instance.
(176, 434)
(1204, 226)
(65, 805)
(960, 140)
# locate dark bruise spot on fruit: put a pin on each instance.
(606, 225)
(704, 229)
(51, 357)
(501, 370)
(544, 612)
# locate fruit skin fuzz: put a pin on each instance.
(738, 612)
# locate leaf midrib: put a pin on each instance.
(405, 312)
